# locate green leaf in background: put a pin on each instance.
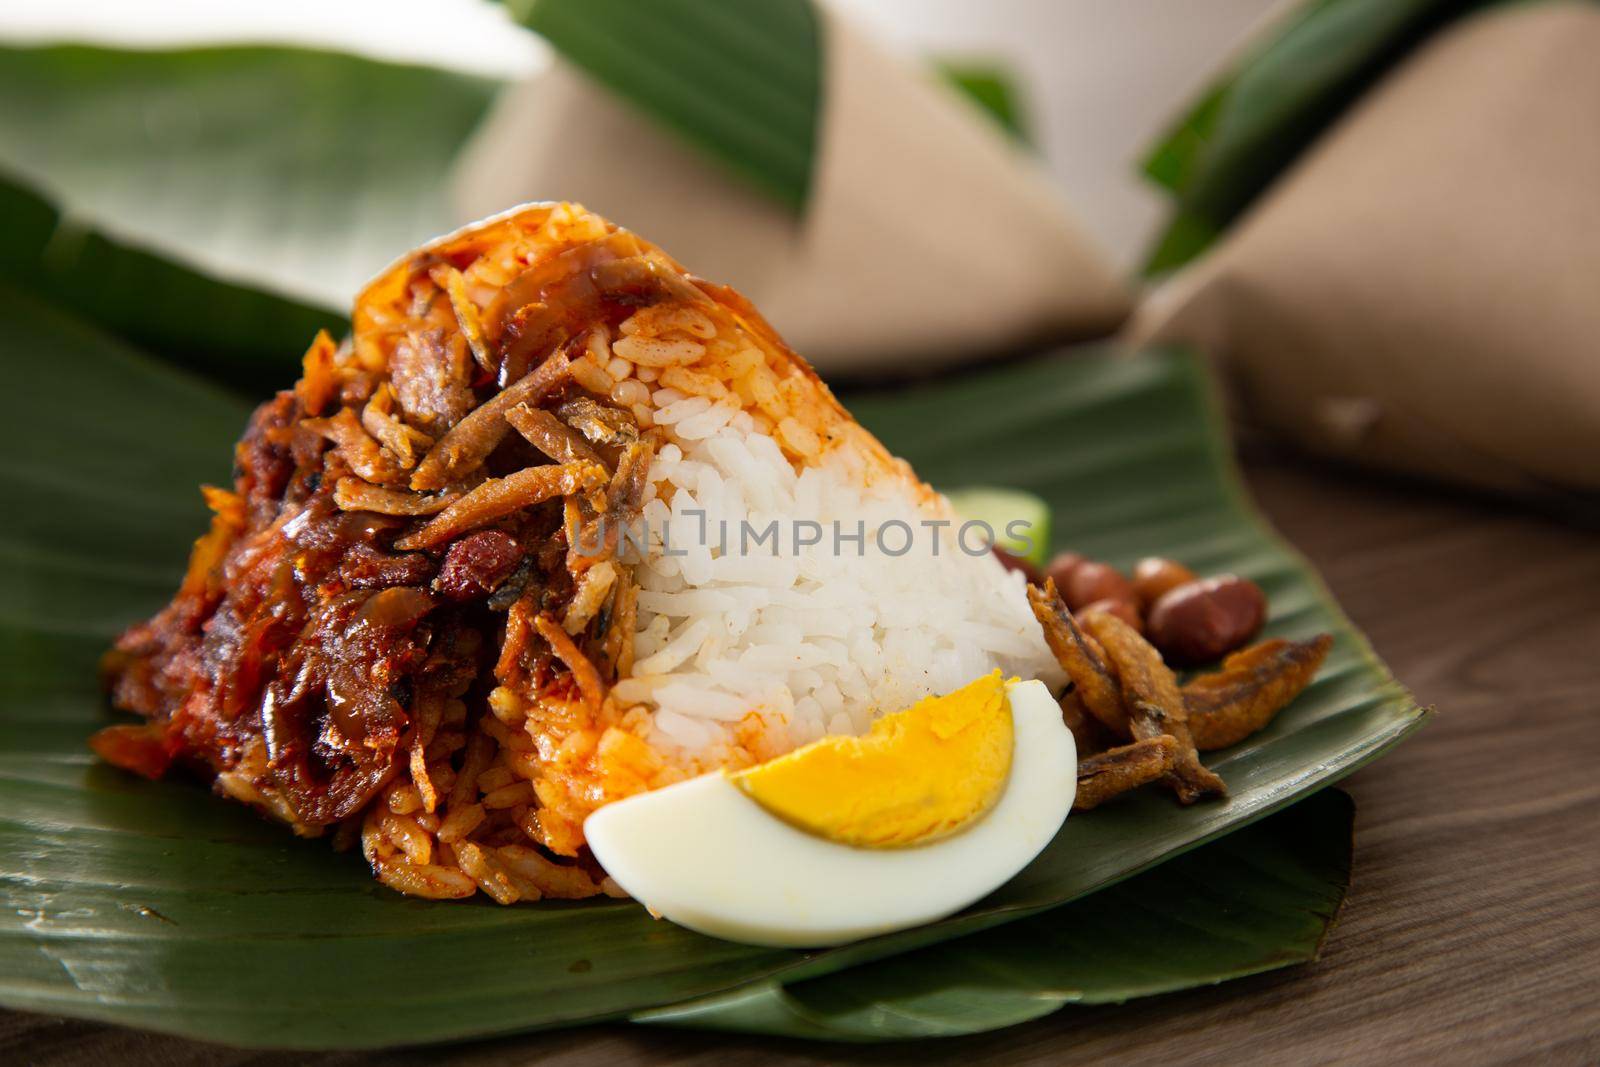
(299, 170)
(231, 333)
(157, 905)
(741, 81)
(992, 87)
(1248, 128)
(1257, 900)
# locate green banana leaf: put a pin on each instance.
(155, 905)
(742, 82)
(1254, 901)
(302, 172)
(299, 171)
(242, 334)
(993, 88)
(1251, 125)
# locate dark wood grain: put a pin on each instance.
(1472, 931)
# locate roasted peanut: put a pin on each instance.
(1200, 621)
(1126, 610)
(1060, 569)
(1091, 581)
(1017, 563)
(1156, 575)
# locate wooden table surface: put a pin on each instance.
(1472, 930)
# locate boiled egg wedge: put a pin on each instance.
(932, 809)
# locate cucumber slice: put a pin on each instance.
(1021, 521)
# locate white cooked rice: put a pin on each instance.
(816, 641)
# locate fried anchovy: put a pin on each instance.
(1155, 704)
(469, 442)
(1117, 770)
(1081, 657)
(600, 423)
(502, 496)
(550, 435)
(1254, 684)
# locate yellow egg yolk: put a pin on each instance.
(917, 775)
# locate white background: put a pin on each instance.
(1100, 78)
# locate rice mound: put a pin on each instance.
(811, 639)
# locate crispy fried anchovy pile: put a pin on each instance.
(1135, 724)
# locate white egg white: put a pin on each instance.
(708, 857)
